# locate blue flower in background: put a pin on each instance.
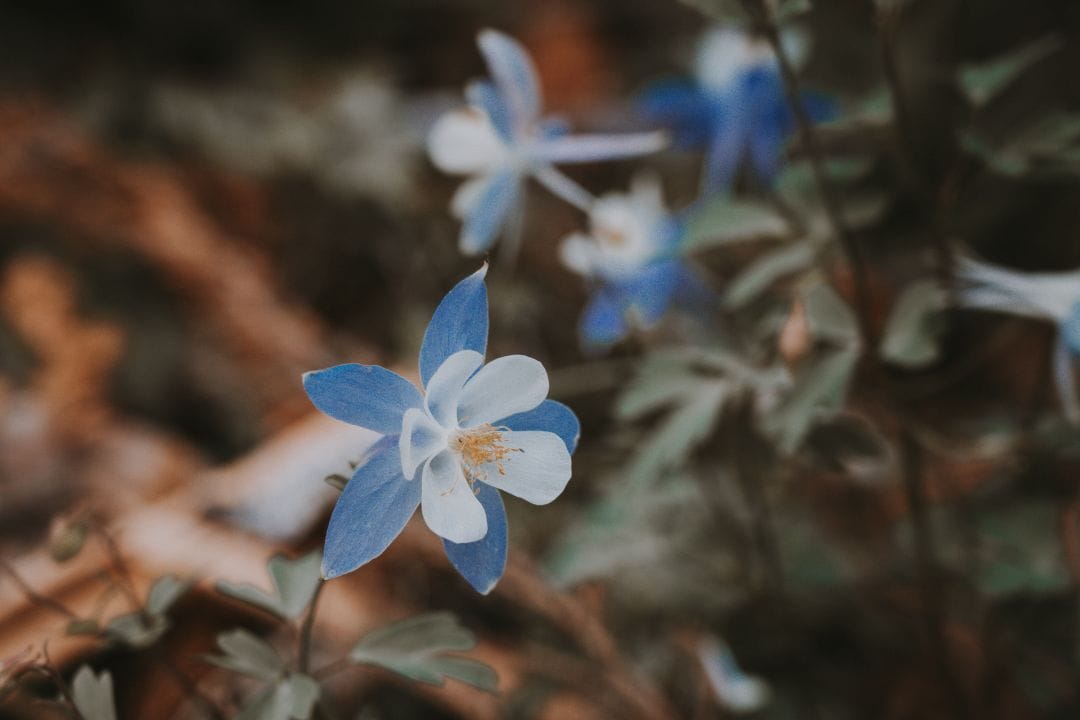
(630, 257)
(500, 139)
(471, 430)
(735, 108)
(1048, 296)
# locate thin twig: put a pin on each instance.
(36, 598)
(904, 130)
(834, 211)
(911, 460)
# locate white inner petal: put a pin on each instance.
(467, 195)
(421, 437)
(444, 387)
(464, 142)
(504, 387)
(625, 233)
(536, 468)
(447, 502)
(577, 253)
(724, 54)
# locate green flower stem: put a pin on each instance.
(304, 654)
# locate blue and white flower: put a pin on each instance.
(501, 139)
(1047, 296)
(629, 255)
(471, 430)
(735, 108)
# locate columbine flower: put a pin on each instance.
(501, 138)
(629, 254)
(449, 447)
(1050, 296)
(736, 109)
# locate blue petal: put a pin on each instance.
(766, 139)
(550, 416)
(514, 76)
(489, 212)
(482, 562)
(366, 395)
(1070, 330)
(371, 511)
(726, 148)
(483, 95)
(650, 292)
(603, 322)
(682, 107)
(459, 323)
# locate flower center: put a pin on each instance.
(480, 446)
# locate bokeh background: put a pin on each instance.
(200, 201)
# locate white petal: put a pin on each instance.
(724, 53)
(576, 252)
(537, 469)
(421, 437)
(444, 388)
(504, 387)
(464, 142)
(447, 502)
(466, 196)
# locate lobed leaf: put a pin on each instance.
(248, 655)
(416, 647)
(294, 582)
(93, 694)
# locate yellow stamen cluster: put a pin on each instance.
(480, 446)
(611, 236)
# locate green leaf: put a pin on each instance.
(797, 186)
(69, 540)
(1003, 162)
(682, 430)
(93, 694)
(911, 333)
(274, 703)
(295, 582)
(416, 647)
(248, 655)
(137, 630)
(983, 81)
(1020, 548)
(828, 316)
(305, 692)
(663, 378)
(164, 593)
(766, 270)
(726, 220)
(820, 391)
(292, 698)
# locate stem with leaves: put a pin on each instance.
(911, 451)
